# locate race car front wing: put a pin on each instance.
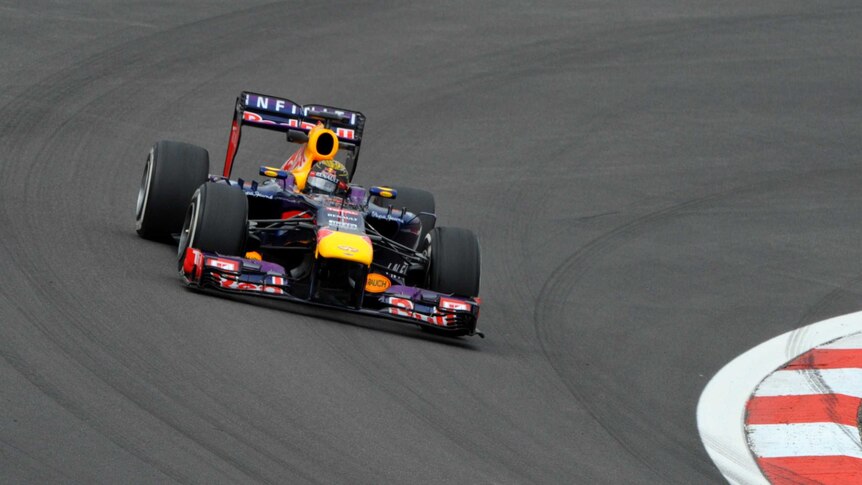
(442, 313)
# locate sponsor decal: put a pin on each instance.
(453, 304)
(338, 168)
(289, 122)
(282, 106)
(286, 108)
(344, 225)
(233, 284)
(439, 320)
(296, 213)
(192, 263)
(223, 264)
(345, 214)
(397, 268)
(326, 174)
(404, 308)
(345, 133)
(275, 280)
(263, 102)
(377, 283)
(343, 219)
(330, 242)
(401, 306)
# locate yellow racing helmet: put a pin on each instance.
(327, 177)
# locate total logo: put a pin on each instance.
(348, 249)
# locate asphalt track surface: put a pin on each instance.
(657, 186)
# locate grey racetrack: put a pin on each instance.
(657, 186)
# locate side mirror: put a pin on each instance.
(274, 172)
(385, 192)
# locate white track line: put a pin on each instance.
(824, 381)
(806, 439)
(721, 409)
(851, 342)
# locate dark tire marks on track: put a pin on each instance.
(554, 307)
(703, 198)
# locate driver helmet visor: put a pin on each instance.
(317, 181)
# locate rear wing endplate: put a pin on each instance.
(283, 115)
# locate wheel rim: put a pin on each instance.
(144, 192)
(427, 252)
(187, 235)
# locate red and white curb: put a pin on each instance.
(786, 411)
(802, 421)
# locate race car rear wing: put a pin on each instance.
(283, 115)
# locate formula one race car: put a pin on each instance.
(305, 233)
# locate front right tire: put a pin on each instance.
(216, 220)
(455, 262)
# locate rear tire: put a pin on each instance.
(216, 220)
(171, 174)
(416, 201)
(455, 261)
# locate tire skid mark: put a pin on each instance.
(45, 473)
(829, 300)
(56, 94)
(417, 404)
(550, 308)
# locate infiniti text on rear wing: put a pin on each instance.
(283, 115)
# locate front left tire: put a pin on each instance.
(172, 173)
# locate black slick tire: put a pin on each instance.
(455, 261)
(417, 201)
(216, 220)
(172, 173)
